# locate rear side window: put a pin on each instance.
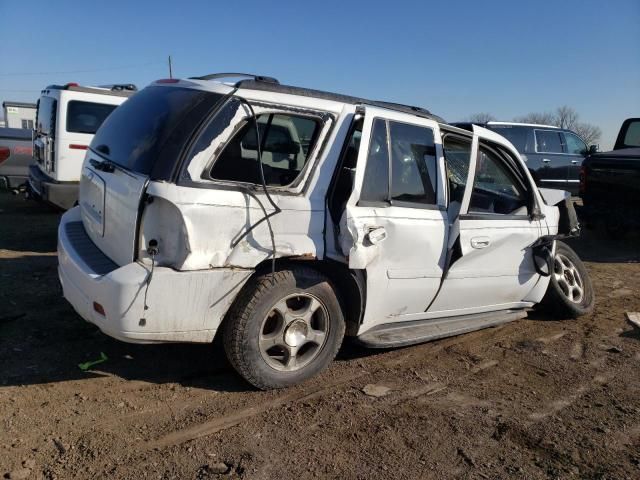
(548, 141)
(151, 129)
(516, 135)
(46, 116)
(285, 143)
(413, 164)
(86, 117)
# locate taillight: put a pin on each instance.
(583, 179)
(5, 152)
(168, 80)
(72, 84)
(77, 146)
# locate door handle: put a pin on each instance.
(575, 162)
(480, 242)
(376, 235)
(545, 160)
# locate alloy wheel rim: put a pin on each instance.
(568, 278)
(294, 332)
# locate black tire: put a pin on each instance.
(243, 329)
(557, 300)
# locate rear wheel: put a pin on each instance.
(570, 292)
(284, 328)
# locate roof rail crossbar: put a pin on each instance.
(257, 78)
(120, 87)
(403, 106)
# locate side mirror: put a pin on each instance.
(593, 149)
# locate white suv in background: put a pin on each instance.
(283, 219)
(67, 118)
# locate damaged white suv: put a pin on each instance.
(283, 219)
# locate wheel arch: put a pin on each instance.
(349, 285)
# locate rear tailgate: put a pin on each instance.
(109, 204)
(15, 151)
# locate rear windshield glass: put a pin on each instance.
(632, 137)
(46, 116)
(152, 126)
(516, 135)
(86, 117)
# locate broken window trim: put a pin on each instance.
(459, 137)
(300, 185)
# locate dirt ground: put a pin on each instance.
(532, 399)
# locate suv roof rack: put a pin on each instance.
(339, 97)
(255, 78)
(118, 87)
(120, 90)
(262, 82)
(401, 107)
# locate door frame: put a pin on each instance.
(364, 256)
(532, 216)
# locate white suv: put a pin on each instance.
(67, 118)
(367, 219)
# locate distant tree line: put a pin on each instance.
(563, 117)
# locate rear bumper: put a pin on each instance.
(43, 187)
(182, 306)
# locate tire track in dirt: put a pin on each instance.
(400, 357)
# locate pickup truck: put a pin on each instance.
(610, 183)
(15, 157)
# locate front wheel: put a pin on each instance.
(570, 292)
(284, 328)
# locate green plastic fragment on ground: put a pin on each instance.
(87, 365)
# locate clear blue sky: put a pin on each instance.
(456, 58)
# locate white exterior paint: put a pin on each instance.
(199, 267)
(66, 163)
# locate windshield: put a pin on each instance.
(46, 116)
(152, 126)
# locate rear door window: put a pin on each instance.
(375, 187)
(413, 164)
(285, 143)
(548, 141)
(46, 116)
(86, 117)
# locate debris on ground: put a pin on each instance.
(375, 390)
(620, 292)
(219, 468)
(633, 318)
(18, 474)
(87, 365)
